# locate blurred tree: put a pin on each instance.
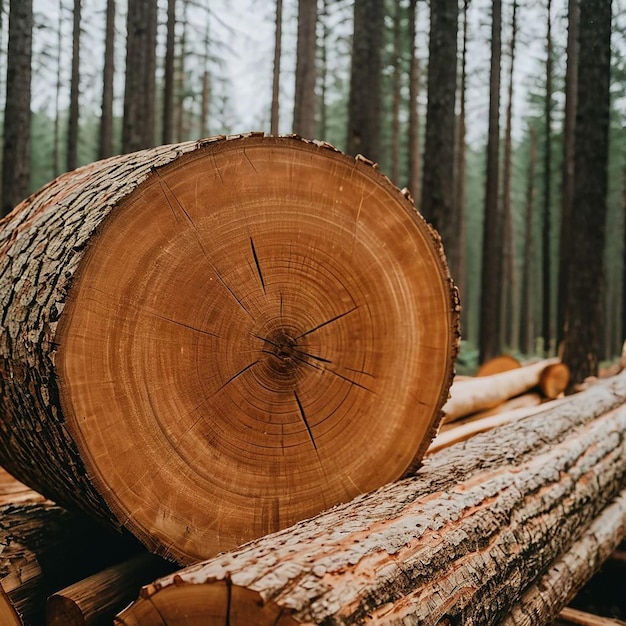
(139, 89)
(438, 188)
(365, 104)
(276, 74)
(105, 148)
(168, 74)
(305, 102)
(414, 121)
(583, 315)
(73, 120)
(491, 259)
(17, 111)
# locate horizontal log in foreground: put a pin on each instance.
(457, 543)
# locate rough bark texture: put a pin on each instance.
(438, 203)
(491, 258)
(16, 137)
(44, 547)
(305, 101)
(583, 316)
(365, 103)
(106, 119)
(61, 418)
(458, 543)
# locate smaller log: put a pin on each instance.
(95, 600)
(12, 491)
(486, 392)
(574, 617)
(497, 365)
(554, 380)
(44, 547)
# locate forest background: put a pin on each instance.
(470, 104)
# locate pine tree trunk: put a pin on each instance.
(56, 169)
(274, 116)
(168, 78)
(396, 95)
(526, 317)
(365, 102)
(414, 124)
(106, 121)
(16, 136)
(305, 103)
(192, 338)
(74, 112)
(458, 543)
(569, 125)
(491, 260)
(583, 316)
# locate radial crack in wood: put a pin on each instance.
(165, 309)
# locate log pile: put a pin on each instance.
(252, 339)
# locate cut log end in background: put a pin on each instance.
(240, 314)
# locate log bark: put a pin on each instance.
(457, 543)
(44, 547)
(574, 617)
(95, 600)
(486, 392)
(196, 334)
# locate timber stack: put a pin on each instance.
(252, 339)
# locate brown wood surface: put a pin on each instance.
(574, 617)
(458, 543)
(198, 333)
(44, 547)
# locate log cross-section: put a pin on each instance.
(210, 341)
(458, 543)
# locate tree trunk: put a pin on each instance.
(460, 542)
(586, 270)
(139, 91)
(305, 103)
(437, 203)
(16, 145)
(181, 79)
(276, 74)
(74, 112)
(526, 317)
(508, 310)
(56, 169)
(365, 102)
(206, 85)
(44, 548)
(201, 375)
(546, 269)
(168, 76)
(106, 120)
(396, 94)
(569, 125)
(414, 125)
(491, 258)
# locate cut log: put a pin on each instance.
(458, 543)
(486, 392)
(554, 380)
(197, 334)
(574, 617)
(44, 547)
(12, 491)
(94, 601)
(497, 365)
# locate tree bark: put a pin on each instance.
(274, 117)
(108, 75)
(489, 332)
(305, 103)
(414, 126)
(56, 169)
(262, 330)
(168, 77)
(460, 542)
(74, 111)
(16, 137)
(396, 94)
(365, 102)
(586, 270)
(437, 203)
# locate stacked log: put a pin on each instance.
(194, 335)
(486, 531)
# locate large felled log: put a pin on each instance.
(44, 547)
(458, 543)
(196, 335)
